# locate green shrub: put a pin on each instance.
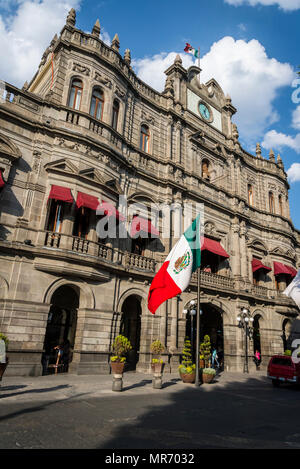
(4, 338)
(205, 350)
(121, 347)
(187, 353)
(209, 371)
(288, 353)
(187, 370)
(157, 347)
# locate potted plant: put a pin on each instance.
(201, 361)
(187, 369)
(208, 375)
(205, 350)
(157, 363)
(3, 366)
(121, 347)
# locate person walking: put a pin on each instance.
(214, 359)
(257, 358)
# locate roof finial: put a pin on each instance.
(279, 161)
(127, 56)
(96, 29)
(258, 151)
(71, 18)
(115, 44)
(272, 156)
(178, 60)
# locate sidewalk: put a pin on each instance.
(62, 386)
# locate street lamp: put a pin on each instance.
(191, 309)
(245, 321)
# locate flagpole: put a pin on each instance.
(197, 380)
(199, 61)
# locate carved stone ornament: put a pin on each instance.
(147, 117)
(120, 93)
(209, 228)
(102, 79)
(81, 69)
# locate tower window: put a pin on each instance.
(145, 136)
(271, 202)
(250, 194)
(280, 201)
(97, 104)
(115, 114)
(205, 173)
(75, 94)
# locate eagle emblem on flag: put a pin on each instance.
(182, 262)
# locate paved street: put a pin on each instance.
(68, 411)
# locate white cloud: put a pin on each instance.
(25, 31)
(278, 140)
(286, 5)
(151, 69)
(294, 172)
(296, 118)
(243, 70)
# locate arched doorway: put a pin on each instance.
(211, 323)
(286, 333)
(256, 334)
(61, 329)
(131, 328)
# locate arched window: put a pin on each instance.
(280, 201)
(205, 170)
(97, 104)
(145, 137)
(250, 194)
(271, 202)
(115, 114)
(75, 94)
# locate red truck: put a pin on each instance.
(282, 369)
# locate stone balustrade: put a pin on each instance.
(79, 245)
(209, 279)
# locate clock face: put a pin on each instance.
(204, 111)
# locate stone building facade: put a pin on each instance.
(87, 129)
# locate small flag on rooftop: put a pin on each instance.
(293, 289)
(190, 50)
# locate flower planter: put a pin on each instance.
(3, 368)
(157, 368)
(188, 377)
(117, 368)
(207, 378)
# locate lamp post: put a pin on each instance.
(245, 321)
(192, 310)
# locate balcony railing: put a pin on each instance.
(82, 246)
(208, 279)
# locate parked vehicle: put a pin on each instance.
(282, 369)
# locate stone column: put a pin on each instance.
(236, 261)
(243, 252)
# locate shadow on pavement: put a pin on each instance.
(34, 391)
(247, 413)
(144, 382)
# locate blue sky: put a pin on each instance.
(250, 46)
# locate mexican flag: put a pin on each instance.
(190, 50)
(175, 274)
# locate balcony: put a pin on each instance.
(86, 249)
(207, 279)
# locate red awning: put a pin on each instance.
(284, 269)
(292, 270)
(2, 183)
(257, 264)
(139, 224)
(108, 209)
(214, 247)
(61, 193)
(88, 201)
